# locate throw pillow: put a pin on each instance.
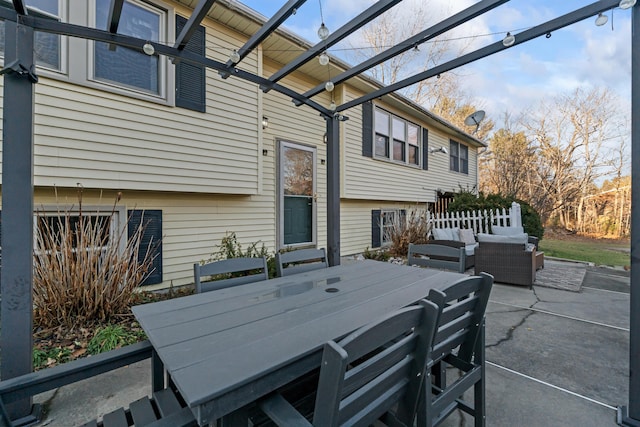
(440, 234)
(466, 236)
(454, 234)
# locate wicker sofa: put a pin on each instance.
(509, 259)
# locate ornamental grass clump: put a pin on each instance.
(84, 271)
(411, 227)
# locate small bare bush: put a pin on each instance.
(80, 274)
(412, 227)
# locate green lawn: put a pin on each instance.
(599, 252)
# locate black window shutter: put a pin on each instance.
(376, 239)
(152, 235)
(367, 129)
(191, 83)
(425, 149)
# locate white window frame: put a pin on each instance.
(76, 54)
(117, 226)
(384, 224)
(165, 26)
(62, 16)
(459, 161)
(391, 140)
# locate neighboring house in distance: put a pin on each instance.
(203, 156)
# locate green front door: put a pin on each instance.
(297, 194)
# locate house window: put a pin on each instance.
(389, 219)
(47, 47)
(396, 139)
(383, 224)
(127, 67)
(102, 226)
(458, 157)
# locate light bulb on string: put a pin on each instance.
(509, 40)
(333, 105)
(323, 59)
(323, 32)
(601, 19)
(329, 86)
(234, 56)
(148, 49)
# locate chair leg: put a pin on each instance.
(439, 372)
(479, 387)
(424, 416)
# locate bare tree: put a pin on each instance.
(568, 133)
(506, 165)
(442, 94)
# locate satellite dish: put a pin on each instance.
(474, 119)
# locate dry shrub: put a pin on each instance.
(80, 273)
(413, 227)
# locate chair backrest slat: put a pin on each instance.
(375, 368)
(300, 261)
(251, 270)
(464, 304)
(457, 309)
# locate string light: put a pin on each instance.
(601, 19)
(148, 49)
(323, 59)
(234, 56)
(329, 86)
(508, 40)
(323, 32)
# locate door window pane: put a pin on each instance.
(298, 172)
(126, 66)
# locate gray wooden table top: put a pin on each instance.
(224, 349)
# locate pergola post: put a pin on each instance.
(333, 189)
(16, 339)
(630, 416)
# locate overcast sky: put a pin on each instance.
(581, 55)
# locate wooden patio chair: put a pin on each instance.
(300, 261)
(234, 272)
(163, 408)
(458, 343)
(437, 256)
(377, 369)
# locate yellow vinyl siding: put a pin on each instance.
(300, 125)
(192, 224)
(110, 141)
(370, 178)
(356, 222)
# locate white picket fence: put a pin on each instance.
(478, 221)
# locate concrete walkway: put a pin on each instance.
(557, 356)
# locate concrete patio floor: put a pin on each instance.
(557, 355)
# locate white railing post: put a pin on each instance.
(516, 215)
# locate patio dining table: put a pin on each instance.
(227, 348)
